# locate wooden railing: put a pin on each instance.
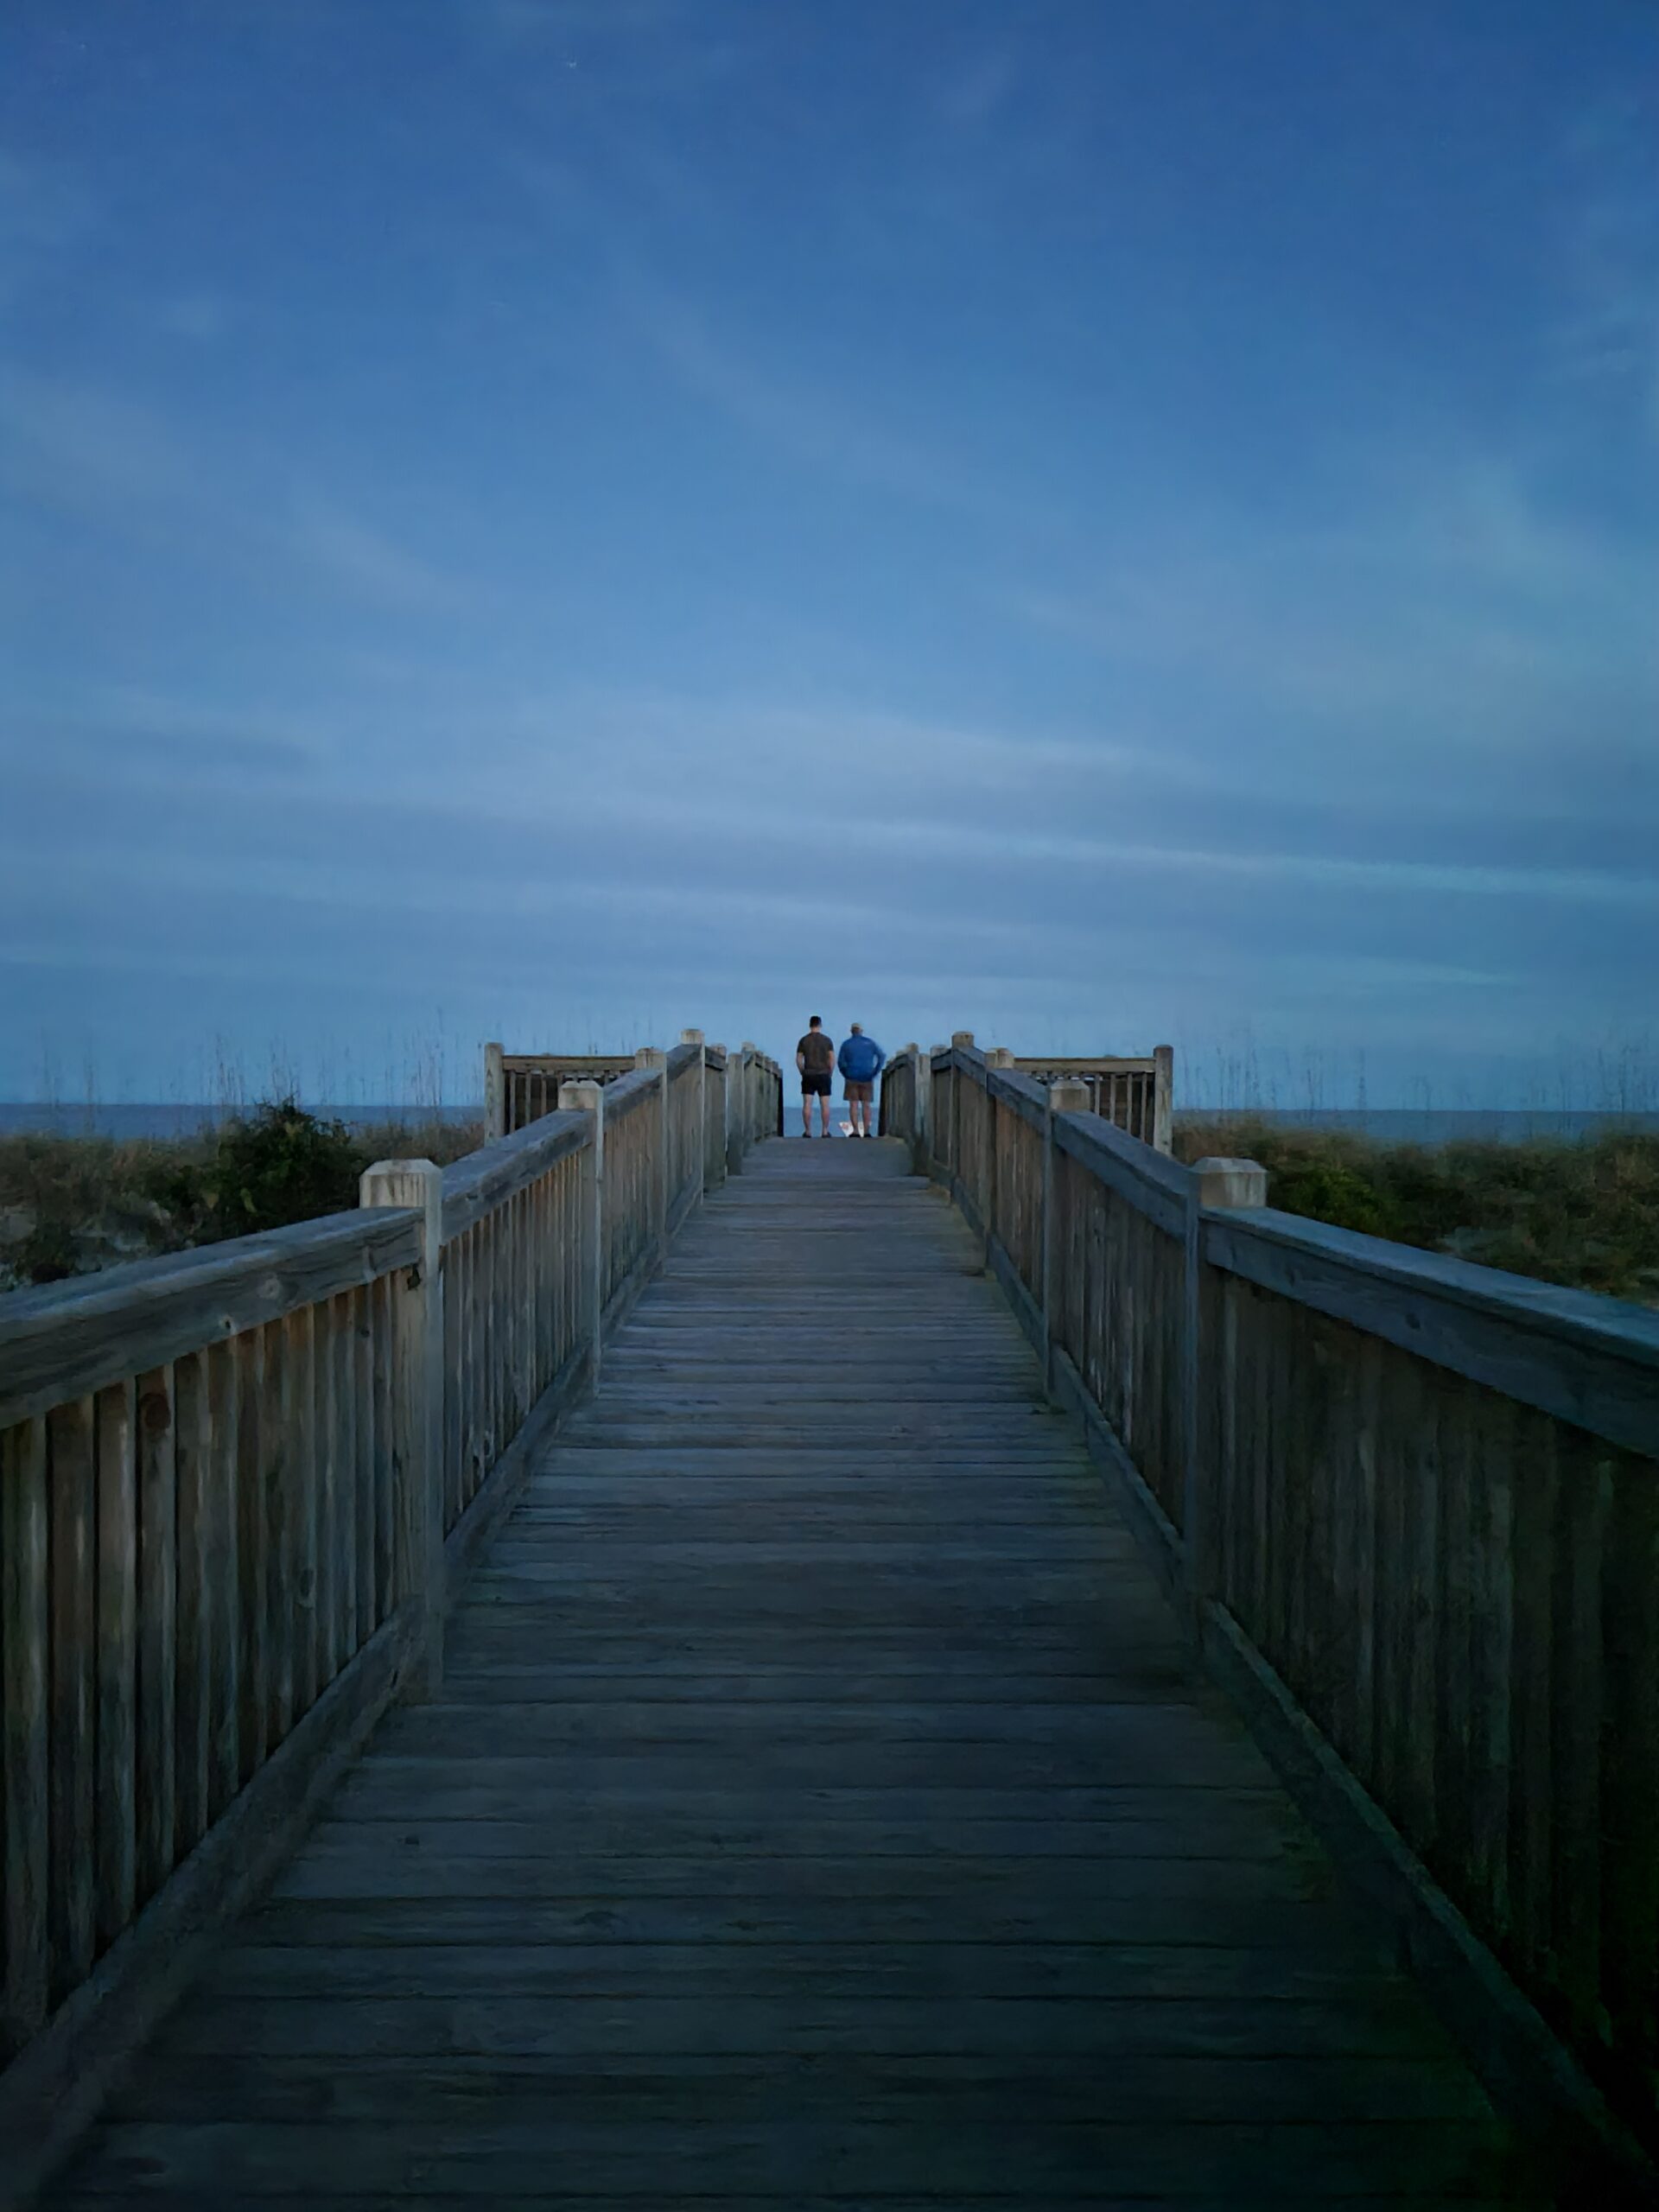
(233, 1486)
(1136, 1096)
(1412, 1507)
(520, 1087)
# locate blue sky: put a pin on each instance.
(1092, 523)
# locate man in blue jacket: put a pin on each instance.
(861, 1059)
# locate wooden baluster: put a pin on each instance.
(25, 1649)
(417, 1413)
(1215, 1184)
(117, 1643)
(495, 1093)
(157, 1591)
(253, 1689)
(589, 1098)
(649, 1056)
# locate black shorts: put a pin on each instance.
(815, 1086)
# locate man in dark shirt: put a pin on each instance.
(815, 1056)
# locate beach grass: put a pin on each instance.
(72, 1204)
(1582, 1213)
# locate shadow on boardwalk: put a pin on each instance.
(818, 1808)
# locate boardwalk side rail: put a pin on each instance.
(1412, 1508)
(211, 1553)
(519, 1088)
(234, 1487)
(1135, 1095)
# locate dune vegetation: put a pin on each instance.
(71, 1204)
(1582, 1213)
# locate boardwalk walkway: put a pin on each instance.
(817, 1809)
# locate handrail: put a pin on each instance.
(1573, 1354)
(68, 1339)
(234, 1486)
(1409, 1506)
(629, 1092)
(479, 1182)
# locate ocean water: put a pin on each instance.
(1392, 1125)
(1435, 1127)
(173, 1120)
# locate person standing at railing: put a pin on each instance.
(815, 1056)
(862, 1059)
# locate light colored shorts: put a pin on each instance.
(861, 1093)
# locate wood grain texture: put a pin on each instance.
(58, 1344)
(1590, 1361)
(25, 1659)
(480, 1181)
(71, 1895)
(118, 1655)
(819, 1804)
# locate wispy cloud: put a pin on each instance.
(45, 208)
(792, 412)
(1453, 632)
(346, 549)
(1609, 250)
(201, 318)
(975, 90)
(69, 445)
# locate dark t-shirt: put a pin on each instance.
(817, 1053)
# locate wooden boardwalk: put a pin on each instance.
(819, 1809)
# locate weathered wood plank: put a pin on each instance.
(157, 1603)
(61, 1343)
(1588, 1360)
(117, 1658)
(72, 1894)
(25, 1686)
(253, 1551)
(193, 1654)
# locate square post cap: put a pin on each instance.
(1068, 1096)
(1230, 1182)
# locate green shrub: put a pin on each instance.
(281, 1165)
(1330, 1190)
(1584, 1215)
(78, 1203)
(47, 1253)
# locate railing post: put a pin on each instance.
(649, 1056)
(740, 1132)
(1211, 1183)
(589, 1098)
(725, 1107)
(1163, 1098)
(418, 1413)
(695, 1037)
(961, 1040)
(936, 1053)
(1061, 1098)
(751, 1091)
(998, 1056)
(495, 1093)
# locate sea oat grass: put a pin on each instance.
(1585, 1214)
(70, 1204)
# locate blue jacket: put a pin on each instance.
(861, 1059)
